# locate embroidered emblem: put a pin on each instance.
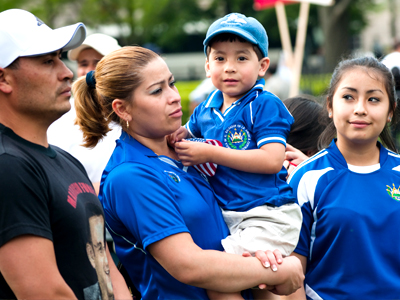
(39, 22)
(237, 137)
(235, 20)
(393, 192)
(173, 176)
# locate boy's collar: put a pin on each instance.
(216, 98)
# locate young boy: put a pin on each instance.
(258, 205)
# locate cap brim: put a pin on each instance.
(65, 38)
(74, 53)
(233, 30)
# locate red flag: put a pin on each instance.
(207, 168)
(263, 4)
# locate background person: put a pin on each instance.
(200, 93)
(65, 134)
(392, 62)
(310, 120)
(163, 216)
(43, 189)
(349, 192)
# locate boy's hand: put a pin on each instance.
(193, 153)
(268, 258)
(177, 136)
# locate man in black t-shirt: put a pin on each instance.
(44, 192)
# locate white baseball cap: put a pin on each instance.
(102, 43)
(23, 34)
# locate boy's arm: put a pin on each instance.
(266, 160)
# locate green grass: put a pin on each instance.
(313, 84)
(184, 88)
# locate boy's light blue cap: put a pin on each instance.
(247, 28)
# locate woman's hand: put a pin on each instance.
(177, 136)
(294, 280)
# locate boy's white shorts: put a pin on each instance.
(263, 228)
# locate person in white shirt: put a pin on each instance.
(64, 133)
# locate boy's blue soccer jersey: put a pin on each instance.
(256, 119)
(351, 226)
(147, 198)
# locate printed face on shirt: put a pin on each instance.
(156, 104)
(41, 86)
(87, 61)
(360, 107)
(97, 256)
(234, 68)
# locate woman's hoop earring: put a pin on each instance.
(127, 124)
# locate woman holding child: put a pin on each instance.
(163, 216)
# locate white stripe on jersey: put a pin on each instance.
(261, 86)
(312, 234)
(211, 97)
(312, 158)
(218, 114)
(251, 112)
(308, 184)
(168, 161)
(312, 294)
(188, 129)
(271, 138)
(393, 154)
(230, 108)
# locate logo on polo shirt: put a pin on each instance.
(237, 137)
(173, 176)
(393, 192)
(39, 22)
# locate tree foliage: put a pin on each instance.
(180, 25)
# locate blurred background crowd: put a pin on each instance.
(176, 30)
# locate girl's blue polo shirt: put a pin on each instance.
(147, 198)
(254, 120)
(351, 222)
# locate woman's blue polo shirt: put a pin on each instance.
(147, 198)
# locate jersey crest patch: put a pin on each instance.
(237, 137)
(173, 176)
(393, 192)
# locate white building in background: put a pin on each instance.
(381, 23)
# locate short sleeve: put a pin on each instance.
(142, 200)
(271, 120)
(192, 125)
(23, 200)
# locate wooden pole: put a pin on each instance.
(284, 33)
(299, 48)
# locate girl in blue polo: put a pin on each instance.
(350, 192)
